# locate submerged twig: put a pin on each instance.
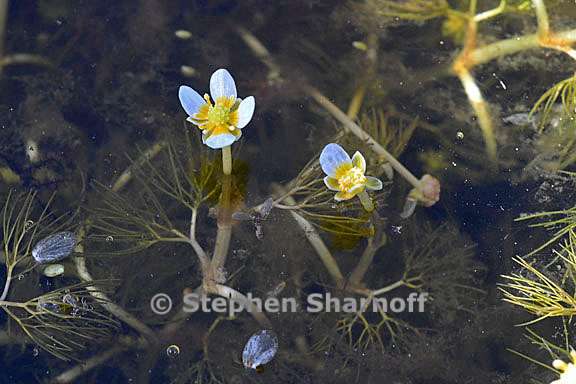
(75, 372)
(107, 304)
(361, 134)
(147, 155)
(3, 21)
(374, 244)
(263, 54)
(314, 239)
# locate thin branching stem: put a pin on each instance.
(9, 271)
(127, 175)
(374, 244)
(349, 124)
(314, 238)
(107, 304)
(263, 54)
(542, 18)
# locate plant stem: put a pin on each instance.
(106, 303)
(314, 239)
(24, 58)
(542, 18)
(374, 244)
(73, 373)
(227, 160)
(149, 154)
(12, 304)
(3, 20)
(481, 110)
(233, 295)
(361, 134)
(366, 201)
(513, 45)
(202, 256)
(7, 283)
(491, 13)
(262, 53)
(224, 226)
(388, 288)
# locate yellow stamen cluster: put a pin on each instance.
(218, 118)
(351, 178)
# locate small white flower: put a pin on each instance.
(222, 122)
(345, 175)
(567, 370)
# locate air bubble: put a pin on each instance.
(173, 351)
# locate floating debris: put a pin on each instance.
(53, 270)
(183, 34)
(409, 208)
(54, 247)
(76, 306)
(520, 119)
(257, 216)
(260, 349)
(45, 305)
(360, 45)
(274, 292)
(188, 71)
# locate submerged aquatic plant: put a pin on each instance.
(64, 322)
(464, 27)
(547, 292)
(566, 91)
(222, 122)
(346, 175)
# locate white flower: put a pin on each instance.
(344, 174)
(222, 122)
(567, 370)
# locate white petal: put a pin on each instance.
(190, 99)
(332, 157)
(409, 208)
(373, 183)
(356, 189)
(245, 111)
(330, 186)
(222, 84)
(196, 123)
(359, 161)
(220, 141)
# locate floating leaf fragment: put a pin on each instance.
(54, 247)
(260, 349)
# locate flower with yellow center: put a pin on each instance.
(220, 115)
(346, 175)
(567, 370)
